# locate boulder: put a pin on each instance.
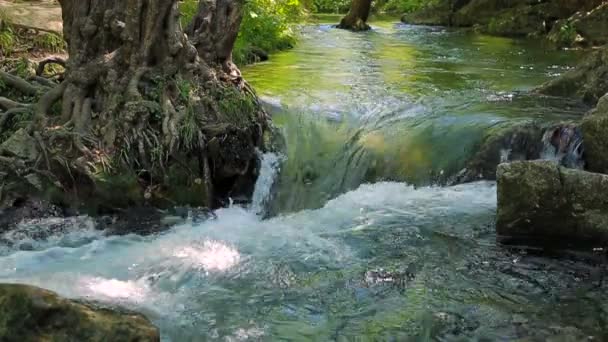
(588, 81)
(528, 140)
(587, 28)
(541, 203)
(32, 314)
(20, 145)
(502, 143)
(594, 129)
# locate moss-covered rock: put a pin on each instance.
(587, 28)
(32, 314)
(588, 81)
(502, 143)
(594, 128)
(500, 17)
(541, 203)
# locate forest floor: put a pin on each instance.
(42, 14)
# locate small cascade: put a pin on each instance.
(564, 144)
(269, 168)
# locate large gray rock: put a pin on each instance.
(542, 203)
(29, 313)
(595, 135)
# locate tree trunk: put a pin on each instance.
(149, 112)
(356, 19)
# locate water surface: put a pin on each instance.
(366, 247)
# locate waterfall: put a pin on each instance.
(269, 168)
(564, 144)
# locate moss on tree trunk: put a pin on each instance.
(141, 100)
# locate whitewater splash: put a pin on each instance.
(270, 168)
(184, 278)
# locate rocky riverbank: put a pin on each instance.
(563, 23)
(543, 203)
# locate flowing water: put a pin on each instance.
(357, 254)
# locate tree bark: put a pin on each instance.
(214, 30)
(144, 99)
(356, 19)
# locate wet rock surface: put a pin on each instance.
(34, 314)
(560, 142)
(594, 128)
(542, 203)
(588, 81)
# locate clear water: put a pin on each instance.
(401, 103)
(358, 254)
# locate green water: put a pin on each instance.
(399, 103)
(348, 261)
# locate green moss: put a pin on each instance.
(186, 189)
(117, 190)
(236, 107)
(33, 314)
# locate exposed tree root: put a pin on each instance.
(18, 83)
(47, 61)
(143, 114)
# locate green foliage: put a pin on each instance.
(567, 35)
(187, 10)
(22, 67)
(7, 39)
(330, 6)
(235, 106)
(49, 41)
(267, 26)
(404, 6)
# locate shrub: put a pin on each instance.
(267, 26)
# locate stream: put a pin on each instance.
(363, 244)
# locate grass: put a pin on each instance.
(8, 40)
(51, 42)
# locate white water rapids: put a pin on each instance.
(179, 278)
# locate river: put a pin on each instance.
(365, 245)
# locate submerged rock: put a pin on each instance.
(594, 129)
(560, 142)
(32, 314)
(541, 203)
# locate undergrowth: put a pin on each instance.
(267, 26)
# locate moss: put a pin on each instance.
(117, 191)
(33, 314)
(236, 107)
(187, 189)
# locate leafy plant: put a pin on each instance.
(404, 6)
(267, 25)
(567, 35)
(50, 42)
(8, 40)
